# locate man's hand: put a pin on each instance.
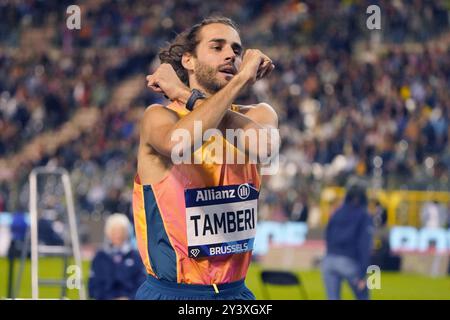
(255, 65)
(165, 80)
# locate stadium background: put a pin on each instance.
(351, 101)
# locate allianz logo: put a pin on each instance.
(243, 192)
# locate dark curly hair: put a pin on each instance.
(187, 41)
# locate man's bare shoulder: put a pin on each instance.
(259, 108)
(158, 109)
(256, 106)
(156, 114)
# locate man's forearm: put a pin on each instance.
(250, 135)
(235, 120)
(211, 110)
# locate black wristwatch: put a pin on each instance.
(195, 95)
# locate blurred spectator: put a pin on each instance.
(51, 230)
(379, 214)
(19, 228)
(448, 215)
(300, 209)
(349, 236)
(117, 270)
(433, 215)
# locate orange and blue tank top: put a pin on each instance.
(197, 225)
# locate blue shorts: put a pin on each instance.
(154, 289)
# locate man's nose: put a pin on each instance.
(230, 54)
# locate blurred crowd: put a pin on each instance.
(350, 100)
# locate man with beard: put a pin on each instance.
(195, 215)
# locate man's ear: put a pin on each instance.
(187, 61)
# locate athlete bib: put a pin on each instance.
(221, 220)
